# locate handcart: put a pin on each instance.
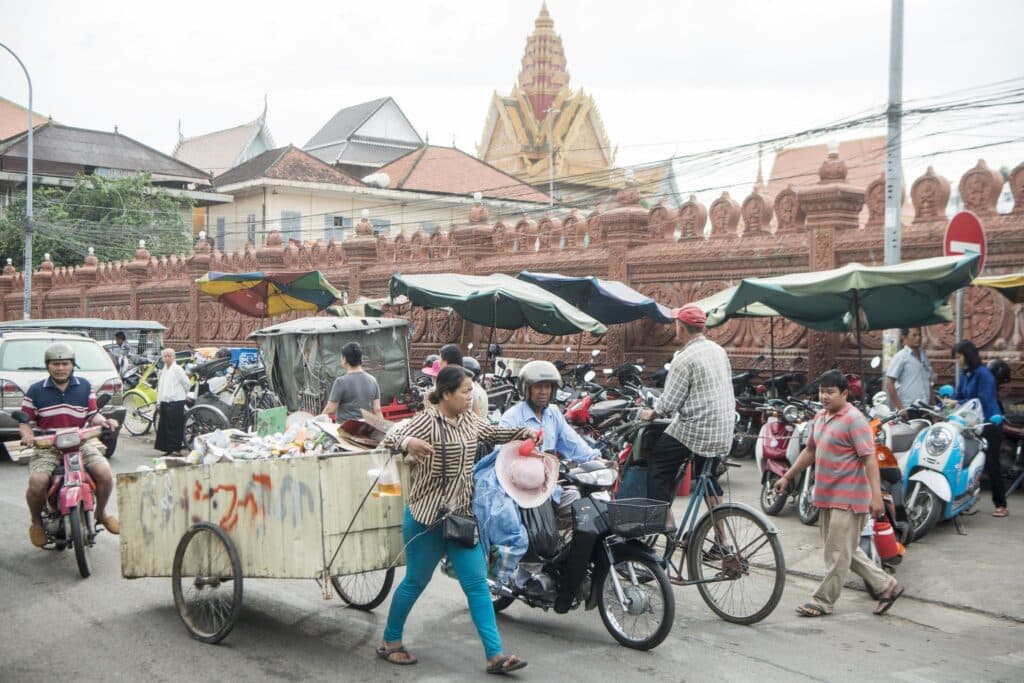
(208, 527)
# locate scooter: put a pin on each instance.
(772, 452)
(942, 475)
(603, 564)
(70, 499)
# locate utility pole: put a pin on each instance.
(551, 153)
(26, 305)
(893, 162)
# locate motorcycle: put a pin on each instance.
(942, 475)
(603, 564)
(70, 500)
(776, 450)
(749, 408)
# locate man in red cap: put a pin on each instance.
(698, 397)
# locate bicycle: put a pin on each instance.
(731, 552)
(247, 391)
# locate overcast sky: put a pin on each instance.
(668, 77)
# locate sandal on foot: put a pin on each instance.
(386, 653)
(885, 603)
(1001, 512)
(810, 609)
(503, 664)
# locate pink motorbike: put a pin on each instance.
(71, 497)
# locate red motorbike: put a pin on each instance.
(71, 497)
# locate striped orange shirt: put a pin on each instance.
(840, 443)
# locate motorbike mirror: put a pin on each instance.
(595, 353)
(560, 364)
(946, 391)
(760, 389)
(501, 364)
(102, 400)
(469, 346)
(880, 399)
(639, 368)
(568, 349)
(667, 366)
(798, 361)
(20, 417)
(876, 362)
(759, 359)
(589, 376)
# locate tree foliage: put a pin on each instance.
(110, 215)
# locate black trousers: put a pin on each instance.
(663, 464)
(994, 438)
(170, 430)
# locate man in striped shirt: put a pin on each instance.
(846, 490)
(58, 402)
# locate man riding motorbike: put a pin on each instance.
(57, 402)
(497, 514)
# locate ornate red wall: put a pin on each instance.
(817, 227)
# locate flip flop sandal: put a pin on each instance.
(885, 603)
(1001, 512)
(810, 609)
(385, 653)
(505, 664)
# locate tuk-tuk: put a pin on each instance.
(303, 357)
(145, 337)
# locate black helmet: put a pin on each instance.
(430, 360)
(1000, 370)
(471, 364)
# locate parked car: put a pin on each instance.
(21, 365)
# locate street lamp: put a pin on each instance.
(26, 303)
(551, 153)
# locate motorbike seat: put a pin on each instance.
(971, 449)
(603, 409)
(1015, 420)
(903, 435)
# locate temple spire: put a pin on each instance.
(543, 73)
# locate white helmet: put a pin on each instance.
(537, 371)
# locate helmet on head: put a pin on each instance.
(59, 351)
(1000, 370)
(471, 364)
(430, 360)
(537, 371)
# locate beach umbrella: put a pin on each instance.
(262, 294)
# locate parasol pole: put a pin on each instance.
(860, 353)
(771, 336)
(579, 350)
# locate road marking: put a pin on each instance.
(917, 675)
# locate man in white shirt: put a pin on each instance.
(910, 375)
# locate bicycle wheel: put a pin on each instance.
(645, 619)
(202, 420)
(366, 590)
(138, 416)
(206, 580)
(739, 564)
(78, 531)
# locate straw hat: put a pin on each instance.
(528, 479)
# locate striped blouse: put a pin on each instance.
(841, 444)
(426, 496)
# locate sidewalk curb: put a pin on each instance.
(929, 601)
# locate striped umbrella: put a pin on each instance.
(263, 295)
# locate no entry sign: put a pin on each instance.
(964, 235)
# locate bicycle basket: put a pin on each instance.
(631, 517)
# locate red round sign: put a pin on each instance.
(964, 235)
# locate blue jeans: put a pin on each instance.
(422, 556)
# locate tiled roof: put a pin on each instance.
(343, 124)
(14, 118)
(798, 166)
(451, 171)
(82, 147)
(217, 152)
(286, 163)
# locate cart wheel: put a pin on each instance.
(365, 590)
(207, 582)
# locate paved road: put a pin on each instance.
(111, 628)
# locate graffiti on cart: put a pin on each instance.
(255, 502)
(163, 506)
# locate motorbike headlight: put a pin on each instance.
(791, 413)
(937, 441)
(66, 440)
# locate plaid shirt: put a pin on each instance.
(698, 395)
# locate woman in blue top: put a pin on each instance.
(976, 381)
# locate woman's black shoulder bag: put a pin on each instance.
(459, 528)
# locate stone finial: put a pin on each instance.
(47, 264)
(478, 214)
(90, 259)
(629, 195)
(1017, 188)
(833, 169)
(274, 239)
(757, 214)
(929, 194)
(202, 245)
(980, 188)
(693, 216)
(142, 254)
(9, 267)
(788, 214)
(364, 228)
(725, 216)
